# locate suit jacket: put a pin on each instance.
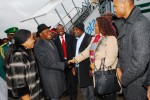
(85, 79)
(134, 54)
(51, 68)
(68, 40)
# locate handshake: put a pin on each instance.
(69, 64)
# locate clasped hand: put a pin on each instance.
(69, 64)
(72, 61)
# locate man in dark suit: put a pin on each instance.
(50, 66)
(134, 49)
(64, 49)
(82, 70)
(63, 43)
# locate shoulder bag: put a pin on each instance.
(106, 81)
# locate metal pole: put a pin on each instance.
(61, 19)
(64, 8)
(36, 21)
(87, 4)
(85, 1)
(106, 6)
(110, 5)
(67, 13)
(75, 7)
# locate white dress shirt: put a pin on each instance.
(61, 38)
(79, 41)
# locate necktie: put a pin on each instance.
(64, 47)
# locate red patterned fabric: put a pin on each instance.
(97, 37)
(93, 47)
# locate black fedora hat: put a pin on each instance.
(40, 28)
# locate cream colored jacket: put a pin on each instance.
(107, 49)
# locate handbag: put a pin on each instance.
(106, 81)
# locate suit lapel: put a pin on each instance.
(67, 40)
(59, 42)
(55, 48)
(126, 30)
(83, 43)
(74, 46)
(122, 32)
(59, 46)
(49, 46)
(128, 26)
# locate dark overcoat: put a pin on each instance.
(84, 77)
(51, 68)
(134, 54)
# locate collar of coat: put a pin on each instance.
(133, 15)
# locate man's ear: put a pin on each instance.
(40, 34)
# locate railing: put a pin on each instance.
(102, 6)
(80, 16)
(82, 13)
(68, 15)
(86, 11)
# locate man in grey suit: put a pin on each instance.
(134, 49)
(50, 67)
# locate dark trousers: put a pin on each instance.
(107, 97)
(54, 98)
(71, 85)
(88, 93)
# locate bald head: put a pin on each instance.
(129, 1)
(123, 7)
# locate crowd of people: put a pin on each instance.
(51, 63)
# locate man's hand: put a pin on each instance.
(148, 92)
(73, 71)
(119, 74)
(90, 73)
(68, 65)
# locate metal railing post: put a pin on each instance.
(75, 7)
(36, 21)
(61, 19)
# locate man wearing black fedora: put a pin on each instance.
(50, 67)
